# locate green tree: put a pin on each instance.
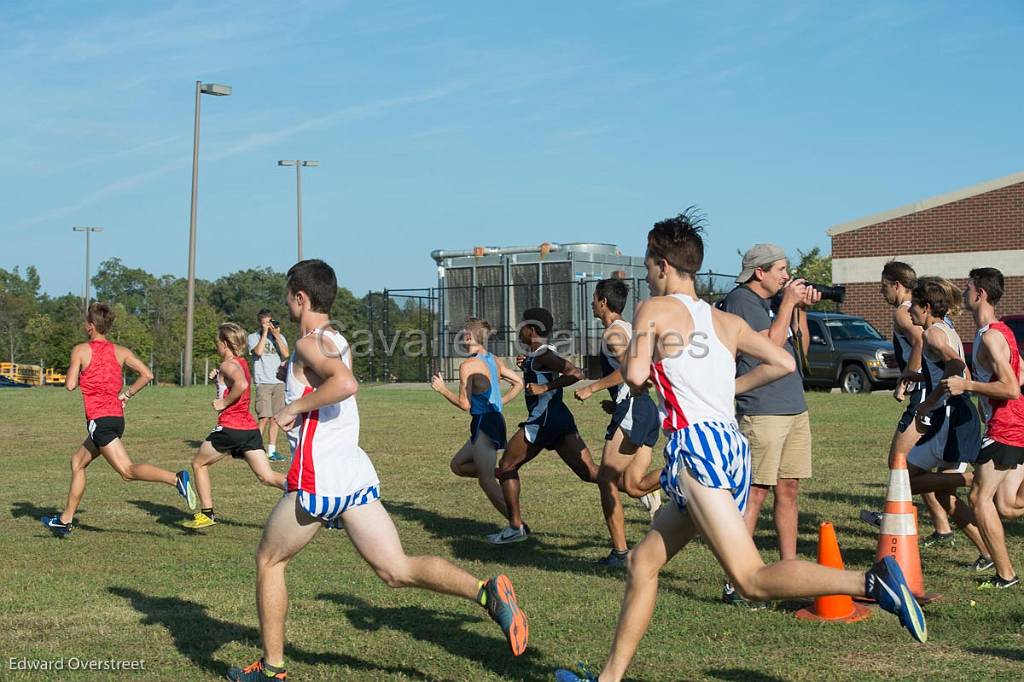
(816, 268)
(129, 287)
(18, 298)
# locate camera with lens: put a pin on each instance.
(277, 325)
(829, 292)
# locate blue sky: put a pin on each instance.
(449, 125)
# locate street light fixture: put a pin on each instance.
(216, 90)
(85, 290)
(298, 190)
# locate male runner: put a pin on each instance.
(331, 477)
(480, 377)
(633, 429)
(549, 424)
(707, 474)
(997, 379)
(237, 434)
(897, 282)
(96, 368)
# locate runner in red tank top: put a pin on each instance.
(997, 382)
(237, 434)
(96, 368)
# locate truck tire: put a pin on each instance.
(853, 379)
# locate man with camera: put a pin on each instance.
(774, 417)
(268, 348)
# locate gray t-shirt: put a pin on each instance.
(785, 396)
(264, 367)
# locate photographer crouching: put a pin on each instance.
(774, 417)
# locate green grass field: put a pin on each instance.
(130, 583)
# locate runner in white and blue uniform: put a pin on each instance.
(634, 426)
(549, 424)
(479, 394)
(688, 349)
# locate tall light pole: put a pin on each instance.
(219, 91)
(85, 290)
(298, 190)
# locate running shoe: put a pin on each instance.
(872, 518)
(61, 530)
(613, 560)
(275, 456)
(257, 672)
(732, 597)
(510, 535)
(652, 502)
(937, 539)
(200, 520)
(582, 674)
(887, 586)
(504, 610)
(995, 582)
(982, 563)
(186, 490)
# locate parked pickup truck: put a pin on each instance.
(846, 351)
(1015, 322)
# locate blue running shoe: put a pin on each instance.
(186, 490)
(504, 609)
(257, 672)
(582, 674)
(275, 456)
(887, 586)
(61, 530)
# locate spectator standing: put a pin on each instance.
(269, 349)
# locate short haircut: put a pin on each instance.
(902, 273)
(614, 292)
(937, 293)
(234, 336)
(990, 281)
(479, 329)
(316, 279)
(540, 319)
(264, 312)
(678, 241)
(101, 316)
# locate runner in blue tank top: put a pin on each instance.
(480, 377)
(549, 424)
(633, 429)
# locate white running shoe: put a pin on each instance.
(652, 503)
(509, 535)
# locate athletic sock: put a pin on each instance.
(620, 553)
(271, 670)
(208, 511)
(481, 595)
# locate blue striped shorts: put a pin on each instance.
(715, 453)
(330, 508)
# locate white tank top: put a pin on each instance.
(698, 384)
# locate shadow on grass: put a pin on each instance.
(1008, 654)
(198, 636)
(173, 517)
(466, 539)
(446, 631)
(194, 444)
(741, 674)
(20, 510)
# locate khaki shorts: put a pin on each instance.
(269, 399)
(780, 446)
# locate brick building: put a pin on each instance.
(947, 235)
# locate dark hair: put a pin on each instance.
(614, 292)
(540, 319)
(990, 281)
(678, 241)
(264, 312)
(101, 316)
(902, 273)
(937, 293)
(316, 279)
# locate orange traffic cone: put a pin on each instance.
(832, 607)
(898, 538)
